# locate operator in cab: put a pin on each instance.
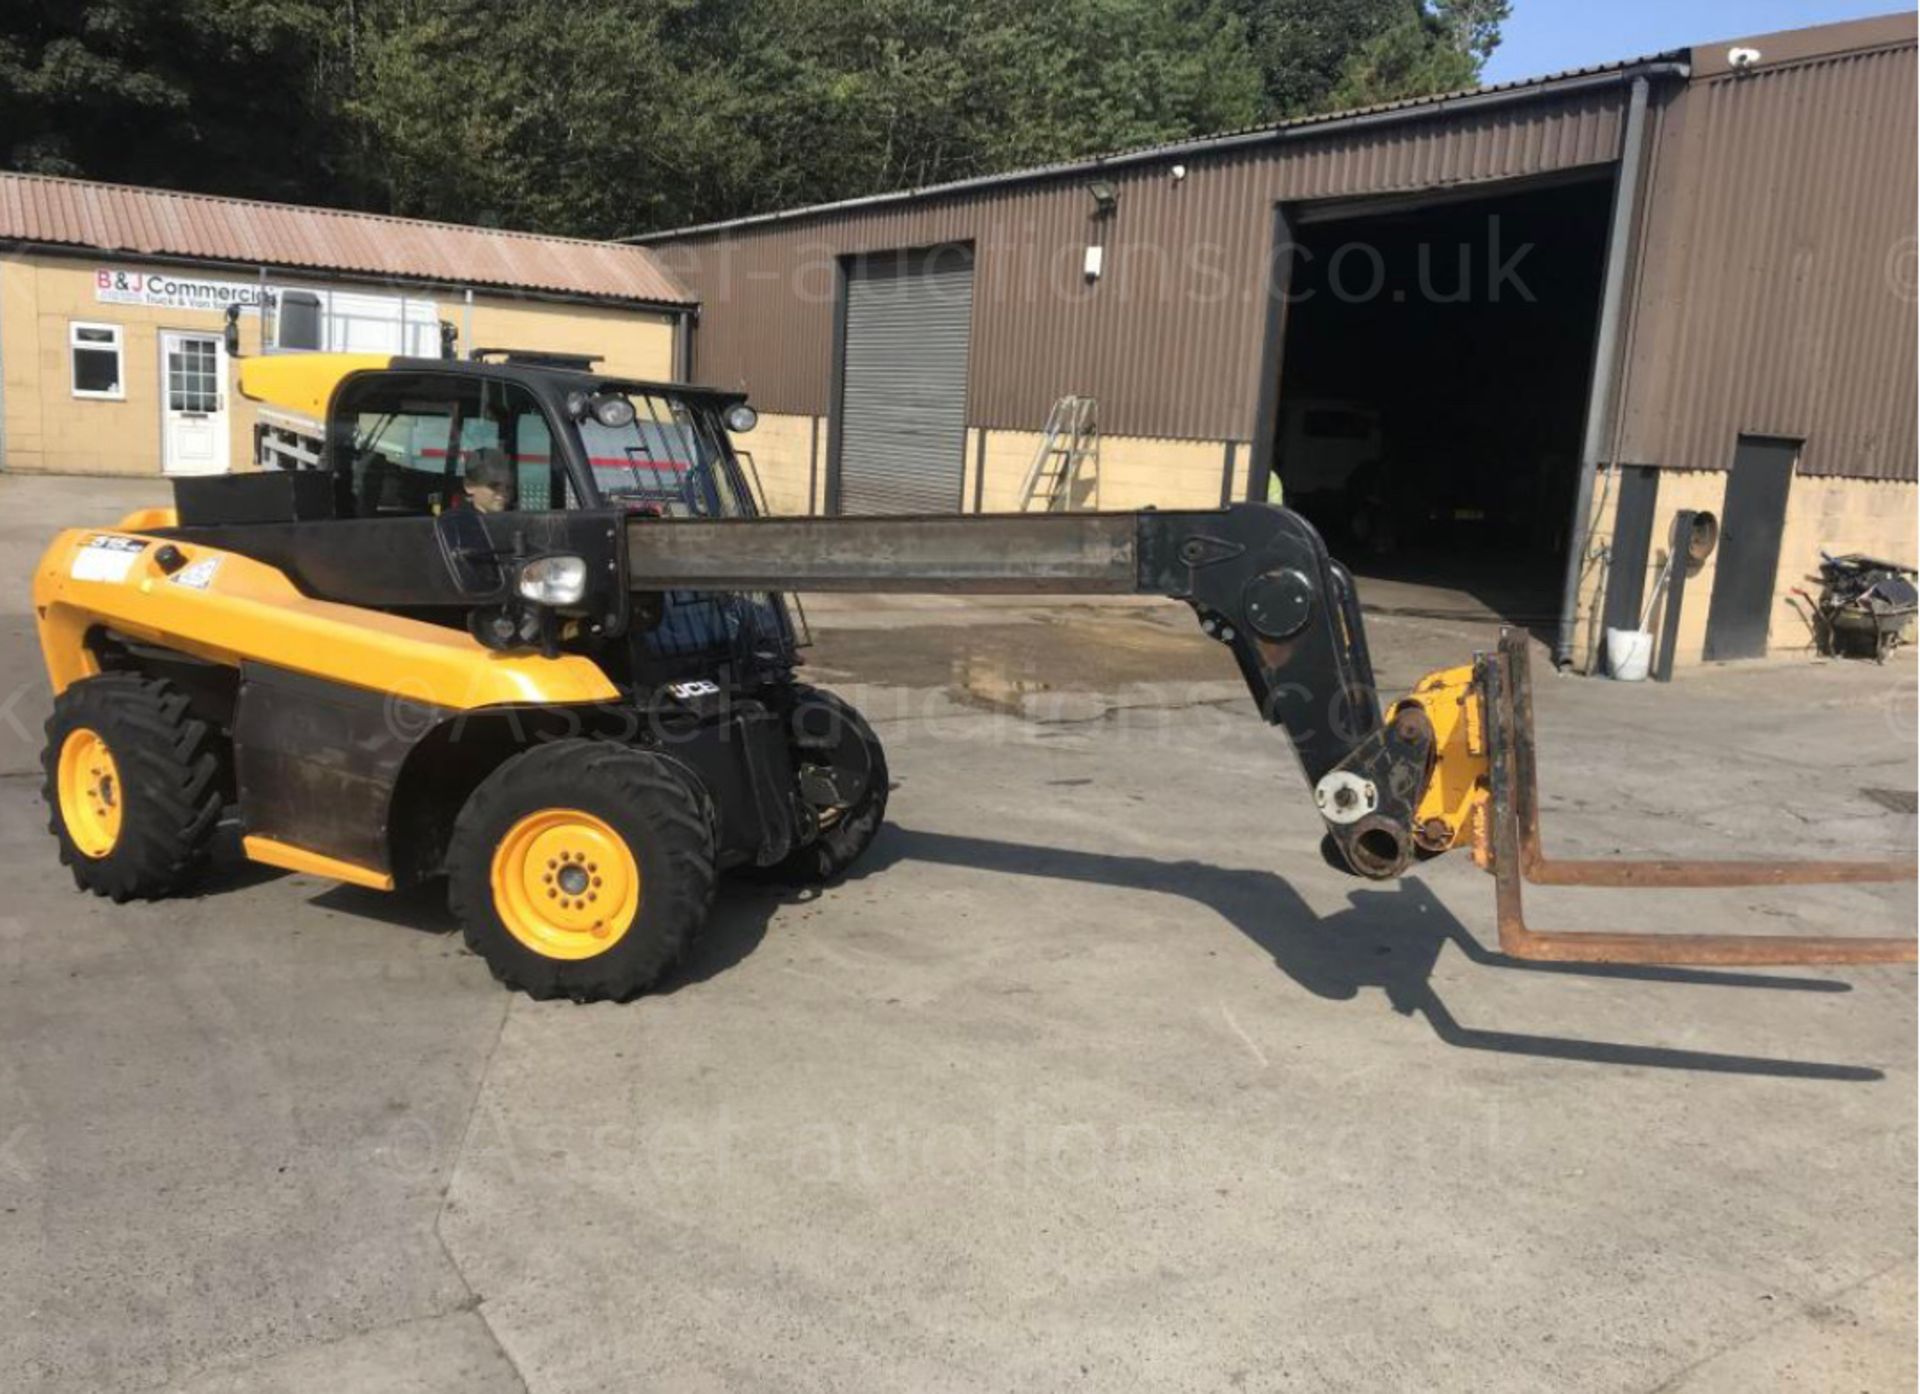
(490, 481)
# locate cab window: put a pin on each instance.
(517, 441)
(404, 445)
(665, 460)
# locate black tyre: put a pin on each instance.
(832, 740)
(583, 869)
(133, 786)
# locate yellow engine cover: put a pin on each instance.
(226, 608)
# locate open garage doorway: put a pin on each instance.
(1432, 391)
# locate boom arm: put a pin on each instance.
(1258, 576)
(1452, 762)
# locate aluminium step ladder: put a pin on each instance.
(1069, 445)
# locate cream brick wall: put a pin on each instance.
(1699, 490)
(20, 424)
(49, 430)
(784, 461)
(1835, 516)
(1830, 514)
(1131, 472)
(629, 343)
(1593, 584)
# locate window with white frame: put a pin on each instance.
(97, 354)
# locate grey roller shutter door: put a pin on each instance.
(903, 403)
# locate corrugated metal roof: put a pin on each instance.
(1412, 103)
(1553, 84)
(124, 219)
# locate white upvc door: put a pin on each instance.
(193, 403)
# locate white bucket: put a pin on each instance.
(1629, 654)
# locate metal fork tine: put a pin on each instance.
(1512, 805)
(1537, 867)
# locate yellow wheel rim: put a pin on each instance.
(90, 793)
(565, 884)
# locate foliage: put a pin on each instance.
(603, 117)
(204, 94)
(1438, 50)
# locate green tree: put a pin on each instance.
(1438, 49)
(1089, 76)
(601, 117)
(1302, 46)
(178, 93)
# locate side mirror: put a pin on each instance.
(231, 331)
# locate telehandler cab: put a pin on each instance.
(523, 628)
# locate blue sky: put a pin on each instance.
(1545, 36)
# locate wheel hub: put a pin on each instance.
(565, 884)
(90, 793)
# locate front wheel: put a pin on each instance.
(583, 869)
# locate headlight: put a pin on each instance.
(553, 580)
(614, 412)
(741, 418)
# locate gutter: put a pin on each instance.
(1626, 198)
(1307, 129)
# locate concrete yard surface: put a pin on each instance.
(1093, 1076)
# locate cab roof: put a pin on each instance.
(304, 383)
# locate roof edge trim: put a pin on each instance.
(1307, 128)
(301, 271)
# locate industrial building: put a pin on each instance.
(113, 301)
(1492, 340)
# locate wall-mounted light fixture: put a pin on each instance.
(1104, 198)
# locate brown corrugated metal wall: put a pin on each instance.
(1777, 289)
(1169, 339)
(1772, 289)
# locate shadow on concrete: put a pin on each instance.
(422, 907)
(742, 912)
(1389, 939)
(226, 875)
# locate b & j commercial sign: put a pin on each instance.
(165, 290)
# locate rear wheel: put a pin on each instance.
(132, 785)
(583, 869)
(842, 769)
